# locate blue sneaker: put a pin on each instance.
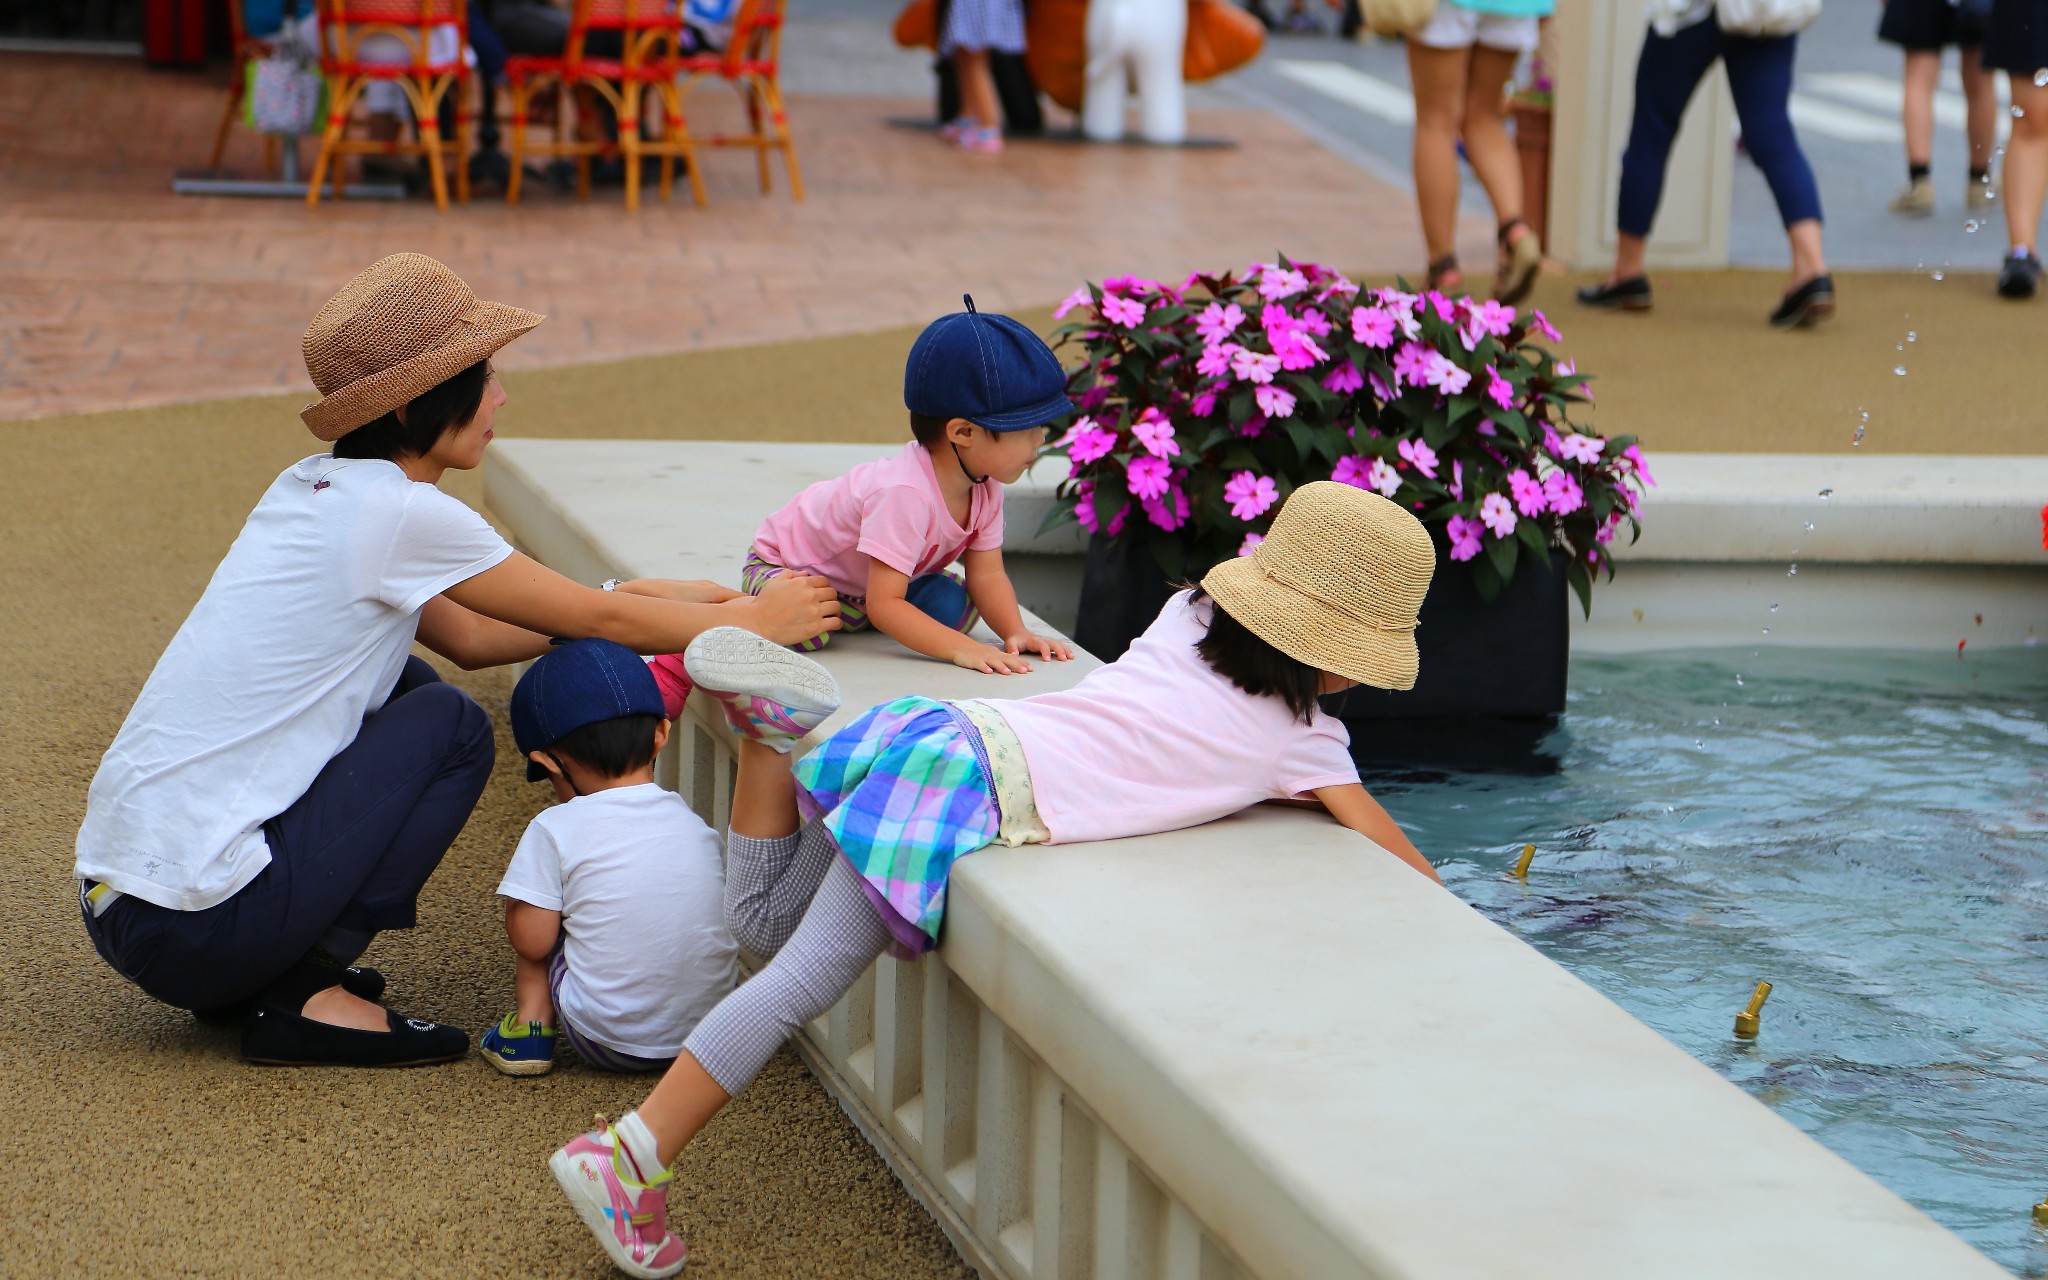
(520, 1048)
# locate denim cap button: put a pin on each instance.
(574, 685)
(988, 369)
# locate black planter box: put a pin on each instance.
(1492, 678)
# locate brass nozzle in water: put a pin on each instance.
(1747, 1022)
(2041, 1213)
(1522, 863)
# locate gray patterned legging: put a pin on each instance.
(796, 901)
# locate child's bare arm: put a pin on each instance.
(1352, 805)
(913, 628)
(989, 586)
(532, 930)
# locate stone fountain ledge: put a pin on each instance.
(1157, 1058)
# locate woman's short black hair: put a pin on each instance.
(1236, 653)
(611, 748)
(928, 430)
(431, 414)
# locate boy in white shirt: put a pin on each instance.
(613, 897)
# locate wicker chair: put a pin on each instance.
(751, 64)
(426, 81)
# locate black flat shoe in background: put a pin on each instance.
(2019, 277)
(273, 1037)
(1632, 294)
(1809, 303)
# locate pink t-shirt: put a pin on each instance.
(889, 510)
(1157, 741)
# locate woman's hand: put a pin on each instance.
(1031, 642)
(682, 591)
(976, 656)
(791, 608)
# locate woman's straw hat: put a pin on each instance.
(404, 326)
(1336, 584)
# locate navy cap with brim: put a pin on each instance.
(1049, 410)
(989, 369)
(578, 683)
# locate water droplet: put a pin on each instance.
(1938, 273)
(1699, 744)
(1809, 523)
(1792, 572)
(1899, 369)
(1767, 631)
(1774, 606)
(1898, 346)
(1738, 680)
(1717, 724)
(2019, 113)
(1970, 225)
(1825, 494)
(1912, 336)
(2041, 78)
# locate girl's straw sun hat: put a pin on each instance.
(1336, 584)
(404, 326)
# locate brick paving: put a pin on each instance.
(115, 293)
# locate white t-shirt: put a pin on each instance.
(636, 875)
(1157, 741)
(301, 633)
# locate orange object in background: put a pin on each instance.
(1221, 38)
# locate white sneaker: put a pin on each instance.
(769, 693)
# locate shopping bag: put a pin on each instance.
(1396, 17)
(1765, 18)
(286, 89)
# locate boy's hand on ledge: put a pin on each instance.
(791, 608)
(682, 591)
(976, 656)
(1028, 642)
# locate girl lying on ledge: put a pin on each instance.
(844, 856)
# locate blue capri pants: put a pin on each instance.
(1759, 72)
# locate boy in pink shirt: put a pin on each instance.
(981, 390)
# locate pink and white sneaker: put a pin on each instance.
(769, 694)
(626, 1212)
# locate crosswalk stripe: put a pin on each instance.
(1881, 93)
(1352, 87)
(1813, 115)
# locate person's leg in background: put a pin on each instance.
(1916, 115)
(2025, 185)
(1491, 152)
(1439, 78)
(977, 101)
(1668, 69)
(1980, 97)
(1760, 75)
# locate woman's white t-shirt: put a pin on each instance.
(301, 633)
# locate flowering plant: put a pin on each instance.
(1203, 405)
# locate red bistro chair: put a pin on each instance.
(752, 64)
(650, 33)
(426, 83)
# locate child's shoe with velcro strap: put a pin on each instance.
(624, 1207)
(519, 1048)
(769, 693)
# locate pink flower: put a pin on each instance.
(1529, 499)
(1084, 505)
(1253, 427)
(1379, 387)
(1275, 402)
(1500, 389)
(1156, 434)
(1116, 522)
(1545, 328)
(1297, 350)
(1316, 323)
(1492, 319)
(1634, 457)
(1352, 470)
(1123, 311)
(1446, 376)
(1457, 485)
(1585, 450)
(1217, 322)
(1563, 492)
(1344, 379)
(1170, 512)
(1373, 327)
(1498, 514)
(1078, 298)
(1252, 367)
(1131, 284)
(1411, 364)
(1276, 283)
(1091, 399)
(1216, 360)
(1087, 442)
(1250, 544)
(1442, 306)
(1466, 534)
(1203, 405)
(1250, 494)
(1486, 428)
(1274, 318)
(1146, 477)
(1383, 478)
(1420, 456)
(1606, 533)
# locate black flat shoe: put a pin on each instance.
(1632, 294)
(360, 981)
(1810, 302)
(2019, 277)
(273, 1037)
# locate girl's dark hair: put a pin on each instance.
(611, 748)
(1234, 652)
(431, 414)
(929, 430)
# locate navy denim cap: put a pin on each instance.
(575, 684)
(988, 369)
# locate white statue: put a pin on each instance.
(1137, 41)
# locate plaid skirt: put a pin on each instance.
(904, 791)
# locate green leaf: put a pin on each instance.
(1582, 583)
(1167, 553)
(1500, 553)
(1532, 537)
(1062, 513)
(1487, 579)
(1304, 438)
